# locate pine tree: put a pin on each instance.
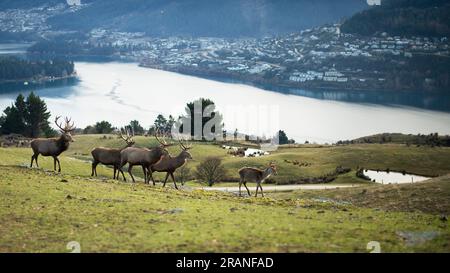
(14, 119)
(36, 117)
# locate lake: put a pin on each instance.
(384, 177)
(120, 92)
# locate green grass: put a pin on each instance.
(431, 196)
(41, 211)
(324, 159)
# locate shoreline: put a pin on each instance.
(40, 80)
(281, 86)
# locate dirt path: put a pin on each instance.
(279, 188)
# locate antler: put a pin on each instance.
(56, 122)
(128, 138)
(162, 142)
(184, 147)
(67, 127)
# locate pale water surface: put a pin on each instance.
(120, 92)
(384, 177)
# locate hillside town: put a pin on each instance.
(321, 57)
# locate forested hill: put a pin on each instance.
(207, 18)
(15, 69)
(429, 18)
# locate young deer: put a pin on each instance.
(111, 156)
(53, 146)
(144, 157)
(169, 164)
(255, 175)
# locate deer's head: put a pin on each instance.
(162, 144)
(185, 150)
(273, 168)
(66, 130)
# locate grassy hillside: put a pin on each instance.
(324, 159)
(431, 196)
(41, 211)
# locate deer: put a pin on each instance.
(145, 157)
(111, 156)
(53, 146)
(169, 164)
(255, 175)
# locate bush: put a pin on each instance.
(210, 170)
(183, 174)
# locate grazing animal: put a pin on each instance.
(144, 157)
(53, 146)
(110, 156)
(169, 164)
(255, 175)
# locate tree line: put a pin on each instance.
(13, 69)
(29, 117)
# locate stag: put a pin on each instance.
(53, 146)
(111, 156)
(255, 175)
(144, 157)
(169, 164)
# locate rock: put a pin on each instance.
(321, 211)
(69, 196)
(172, 211)
(64, 180)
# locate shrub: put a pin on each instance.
(210, 170)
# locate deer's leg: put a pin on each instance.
(174, 183)
(32, 159)
(165, 180)
(257, 186)
(240, 185)
(94, 168)
(150, 176)
(248, 191)
(261, 190)
(123, 175)
(36, 159)
(130, 167)
(59, 164)
(120, 169)
(145, 174)
(54, 163)
(115, 170)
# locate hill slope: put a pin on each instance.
(404, 18)
(214, 18)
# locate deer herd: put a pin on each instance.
(155, 159)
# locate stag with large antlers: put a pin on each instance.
(111, 156)
(143, 156)
(170, 164)
(53, 146)
(255, 175)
